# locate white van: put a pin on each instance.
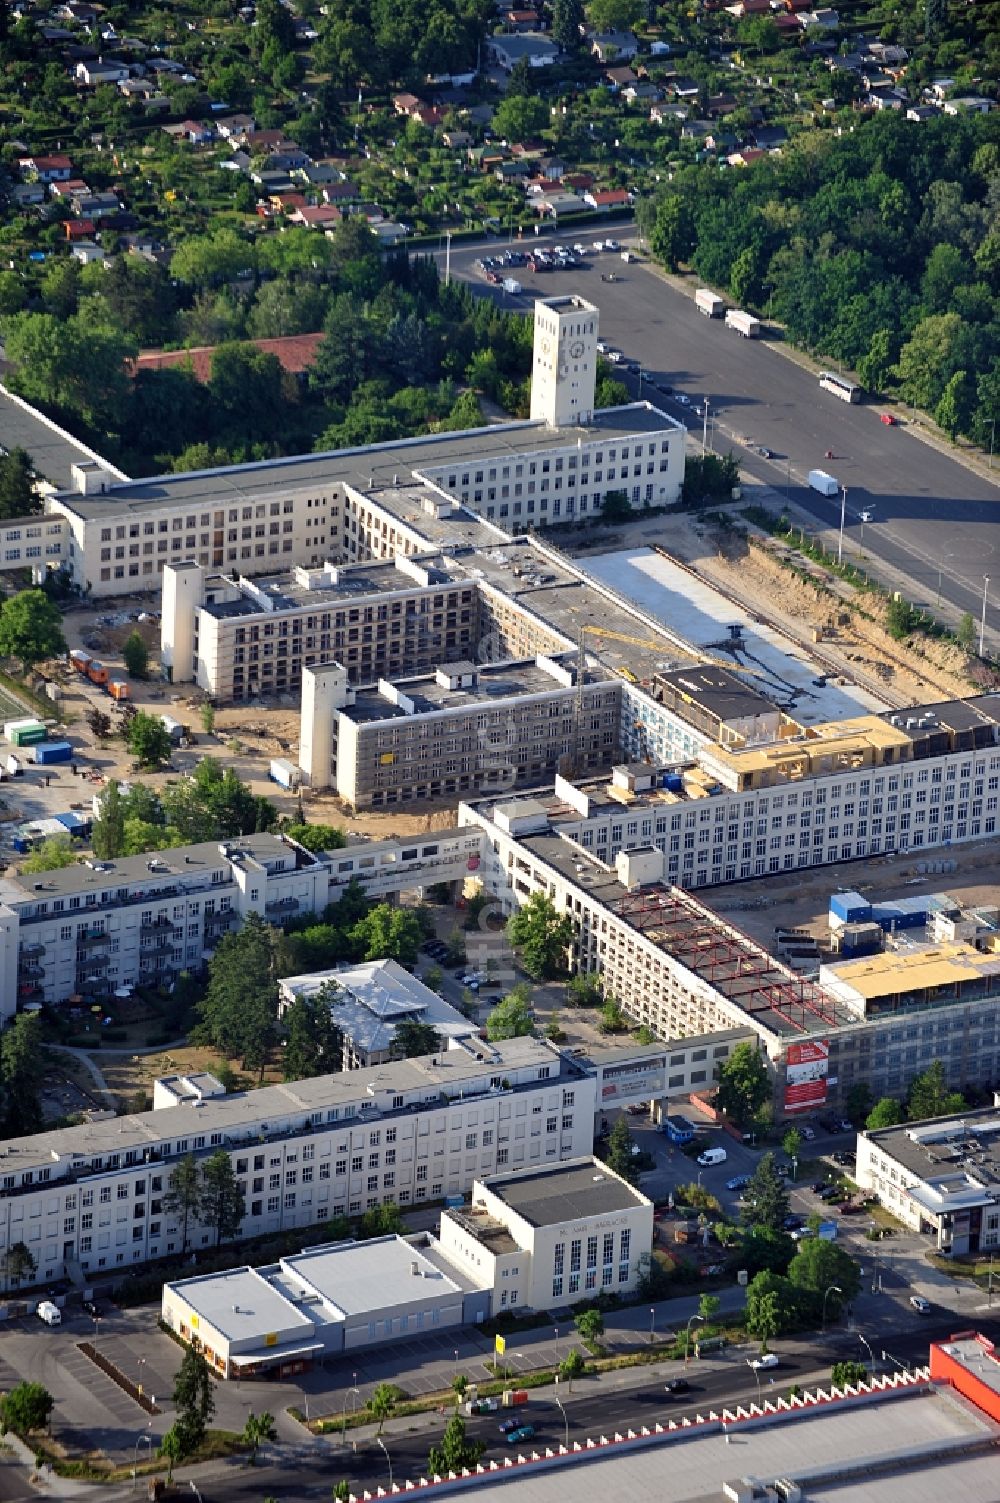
(712, 1156)
(50, 1313)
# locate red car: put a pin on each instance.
(888, 419)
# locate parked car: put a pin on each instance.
(507, 1425)
(920, 1304)
(850, 1208)
(806, 1132)
(738, 1182)
(522, 1432)
(888, 419)
(845, 1160)
(792, 1223)
(677, 1387)
(801, 1233)
(831, 1192)
(845, 1125)
(92, 1308)
(765, 1361)
(818, 1186)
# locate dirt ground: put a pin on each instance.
(801, 899)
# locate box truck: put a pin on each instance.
(511, 285)
(284, 773)
(709, 303)
(827, 485)
(743, 323)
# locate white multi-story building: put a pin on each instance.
(91, 1197)
(550, 1237)
(116, 536)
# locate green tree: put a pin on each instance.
(760, 33)
(858, 1101)
(965, 633)
(389, 933)
(382, 1403)
(220, 1200)
(673, 237)
(935, 18)
(743, 1084)
(18, 497)
(764, 1307)
(848, 1374)
(207, 716)
(584, 990)
(30, 628)
(925, 361)
(314, 1044)
(22, 1067)
(341, 1492)
(382, 1221)
(817, 1266)
(108, 835)
(210, 260)
(183, 1195)
(135, 656)
(930, 1097)
(25, 1408)
(619, 1155)
(573, 1365)
(567, 18)
(954, 411)
(54, 852)
(194, 1402)
(885, 1113)
(875, 367)
(148, 741)
(766, 1250)
(258, 1429)
(543, 936)
(72, 363)
(792, 1143)
(590, 1325)
(512, 1017)
(615, 15)
(172, 1451)
(613, 1020)
(240, 1006)
(317, 838)
(765, 1202)
(17, 1263)
(413, 1038)
(520, 117)
(709, 1306)
(456, 1452)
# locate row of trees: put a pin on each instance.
(212, 804)
(928, 1096)
(878, 248)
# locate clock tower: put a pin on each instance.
(564, 370)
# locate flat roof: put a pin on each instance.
(495, 681)
(899, 971)
(977, 1354)
(366, 468)
(923, 1444)
(970, 714)
(718, 691)
(955, 1155)
(237, 596)
(566, 1192)
(240, 1303)
(360, 1276)
(53, 453)
(669, 594)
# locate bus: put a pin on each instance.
(847, 391)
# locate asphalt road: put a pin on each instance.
(934, 520)
(307, 1475)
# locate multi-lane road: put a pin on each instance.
(934, 520)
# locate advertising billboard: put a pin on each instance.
(806, 1075)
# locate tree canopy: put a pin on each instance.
(543, 936)
(30, 628)
(744, 1086)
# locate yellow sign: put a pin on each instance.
(271, 1339)
(500, 1345)
(195, 1322)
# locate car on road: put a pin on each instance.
(665, 387)
(683, 399)
(845, 1160)
(792, 1223)
(738, 1182)
(801, 1233)
(866, 516)
(507, 1425)
(677, 1387)
(845, 1125)
(712, 1156)
(888, 419)
(764, 1361)
(522, 1432)
(612, 245)
(806, 1132)
(920, 1304)
(580, 249)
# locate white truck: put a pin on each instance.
(827, 485)
(743, 323)
(709, 303)
(511, 285)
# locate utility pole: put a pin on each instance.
(843, 515)
(447, 259)
(982, 622)
(704, 429)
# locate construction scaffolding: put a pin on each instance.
(730, 961)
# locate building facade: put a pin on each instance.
(91, 1198)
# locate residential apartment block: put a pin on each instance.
(91, 1198)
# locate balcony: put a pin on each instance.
(161, 923)
(32, 951)
(220, 919)
(283, 906)
(30, 970)
(88, 938)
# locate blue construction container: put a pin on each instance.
(48, 752)
(849, 907)
(673, 782)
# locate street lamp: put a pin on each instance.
(357, 1393)
(756, 1373)
(982, 622)
(652, 1322)
(557, 1346)
(888, 1357)
(843, 515)
(832, 1289)
(562, 1411)
(143, 1436)
(687, 1332)
(871, 1354)
(141, 1363)
(381, 1443)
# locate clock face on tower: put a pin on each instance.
(576, 350)
(546, 346)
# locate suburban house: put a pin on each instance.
(556, 205)
(613, 46)
(523, 20)
(972, 104)
(235, 127)
(620, 78)
(100, 72)
(316, 216)
(55, 169)
(537, 50)
(607, 199)
(641, 91)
